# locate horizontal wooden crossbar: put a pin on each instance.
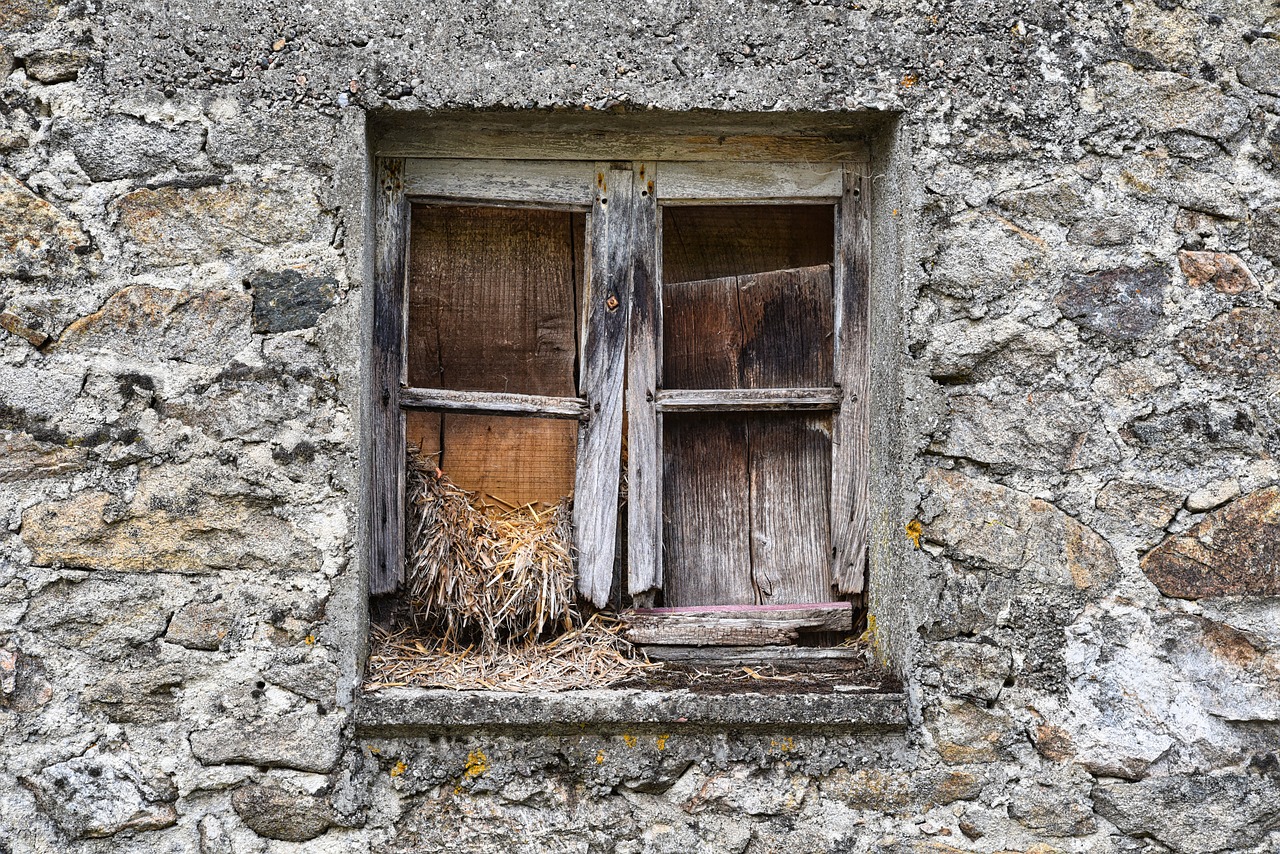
(492, 403)
(748, 400)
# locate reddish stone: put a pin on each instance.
(1224, 271)
(1235, 551)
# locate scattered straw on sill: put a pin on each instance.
(490, 598)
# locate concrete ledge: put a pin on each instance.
(416, 712)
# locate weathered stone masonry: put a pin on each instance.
(1077, 244)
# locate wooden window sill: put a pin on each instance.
(410, 712)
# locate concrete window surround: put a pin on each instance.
(785, 137)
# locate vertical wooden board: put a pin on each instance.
(643, 434)
(492, 299)
(790, 470)
(851, 431)
(386, 473)
(513, 461)
(607, 310)
(706, 512)
(765, 330)
(714, 241)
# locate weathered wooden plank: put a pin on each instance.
(790, 471)
(492, 402)
(541, 182)
(571, 136)
(513, 461)
(491, 299)
(810, 616)
(763, 330)
(702, 242)
(706, 514)
(710, 631)
(748, 400)
(644, 427)
(800, 657)
(851, 432)
(751, 182)
(386, 422)
(608, 308)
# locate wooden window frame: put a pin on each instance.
(620, 344)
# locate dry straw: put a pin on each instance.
(490, 593)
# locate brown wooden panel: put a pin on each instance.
(492, 300)
(745, 509)
(510, 460)
(422, 431)
(765, 330)
(715, 241)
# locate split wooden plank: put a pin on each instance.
(799, 657)
(608, 308)
(496, 403)
(644, 425)
(748, 182)
(386, 471)
(710, 631)
(748, 400)
(539, 182)
(851, 433)
(763, 330)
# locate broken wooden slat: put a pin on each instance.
(800, 657)
(608, 306)
(710, 631)
(748, 400)
(496, 403)
(540, 182)
(386, 471)
(764, 330)
(812, 616)
(644, 425)
(851, 432)
(753, 182)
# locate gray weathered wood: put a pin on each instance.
(607, 308)
(718, 241)
(540, 182)
(748, 400)
(801, 657)
(851, 432)
(497, 403)
(813, 617)
(644, 427)
(636, 136)
(386, 472)
(702, 630)
(748, 182)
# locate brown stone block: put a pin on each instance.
(172, 226)
(1053, 742)
(1224, 271)
(1235, 551)
(23, 458)
(964, 733)
(35, 237)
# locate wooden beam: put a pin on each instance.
(753, 183)
(386, 422)
(748, 400)
(806, 657)
(538, 182)
(851, 428)
(644, 424)
(710, 631)
(817, 616)
(492, 402)
(607, 311)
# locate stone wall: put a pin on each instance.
(1085, 234)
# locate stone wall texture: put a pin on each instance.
(1087, 220)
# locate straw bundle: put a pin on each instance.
(480, 574)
